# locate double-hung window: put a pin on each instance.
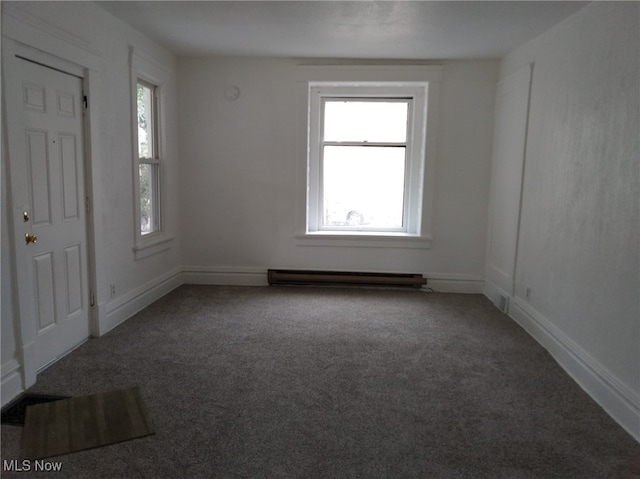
(149, 84)
(367, 153)
(363, 151)
(148, 157)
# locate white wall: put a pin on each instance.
(84, 34)
(578, 253)
(239, 161)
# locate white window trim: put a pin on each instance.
(417, 235)
(318, 91)
(146, 69)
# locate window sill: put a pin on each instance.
(363, 240)
(149, 246)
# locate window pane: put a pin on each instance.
(148, 182)
(363, 186)
(145, 121)
(379, 121)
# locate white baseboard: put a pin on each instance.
(229, 276)
(443, 283)
(113, 313)
(497, 296)
(499, 279)
(11, 385)
(620, 402)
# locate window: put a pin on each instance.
(366, 158)
(148, 157)
(150, 82)
(362, 154)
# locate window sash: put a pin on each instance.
(149, 165)
(322, 216)
(149, 197)
(366, 100)
(151, 117)
(366, 191)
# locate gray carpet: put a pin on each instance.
(286, 382)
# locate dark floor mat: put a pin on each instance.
(85, 422)
(14, 413)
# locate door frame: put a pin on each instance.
(24, 321)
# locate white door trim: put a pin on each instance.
(24, 322)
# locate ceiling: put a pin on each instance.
(335, 29)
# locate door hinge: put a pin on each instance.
(92, 299)
(87, 205)
(85, 104)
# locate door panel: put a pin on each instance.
(34, 96)
(45, 126)
(66, 104)
(38, 162)
(69, 162)
(73, 270)
(44, 287)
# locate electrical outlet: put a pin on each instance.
(527, 294)
(113, 289)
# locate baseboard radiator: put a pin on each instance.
(310, 277)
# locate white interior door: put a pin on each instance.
(44, 116)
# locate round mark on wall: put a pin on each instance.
(232, 93)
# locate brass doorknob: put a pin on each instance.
(29, 238)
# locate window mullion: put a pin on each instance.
(365, 144)
(149, 161)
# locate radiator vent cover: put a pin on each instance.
(312, 277)
(502, 302)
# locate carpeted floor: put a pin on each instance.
(286, 382)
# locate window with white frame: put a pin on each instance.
(148, 157)
(366, 158)
(150, 82)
